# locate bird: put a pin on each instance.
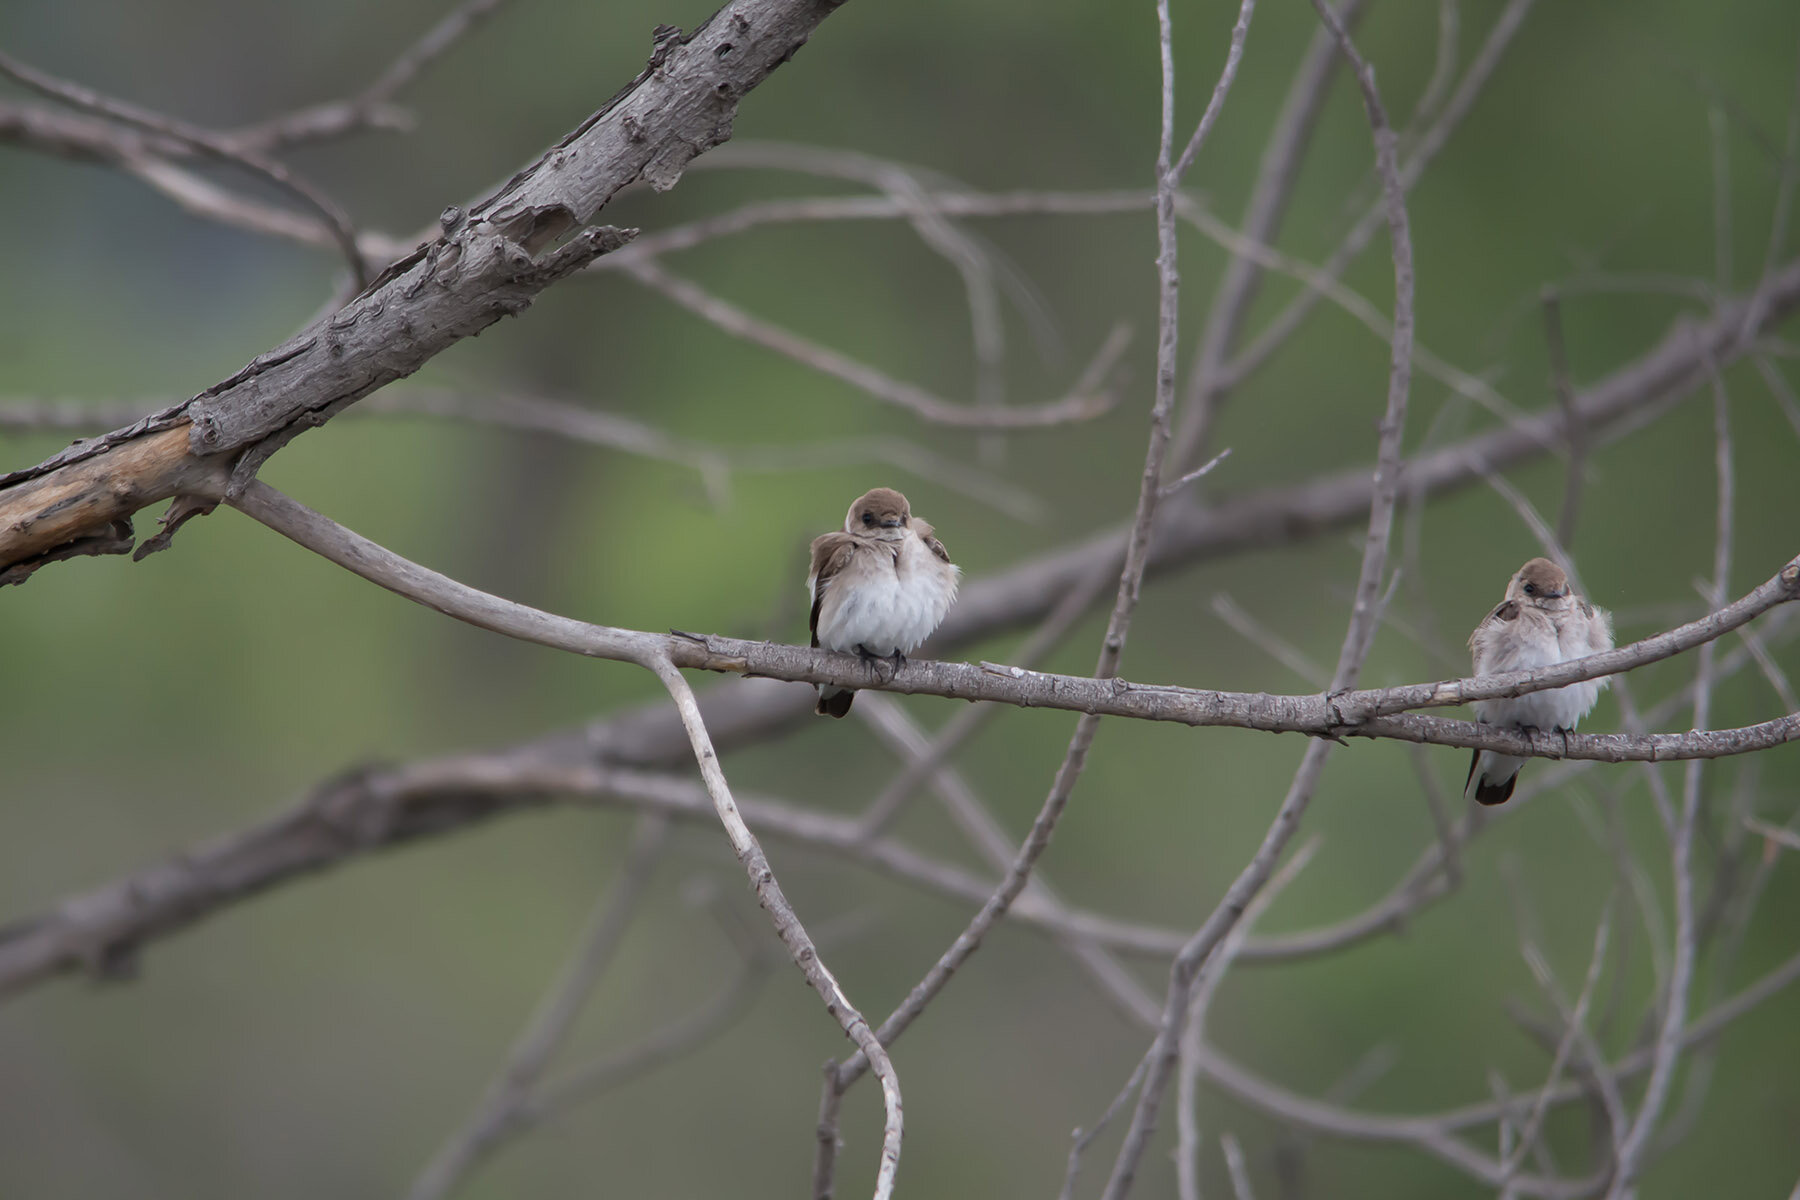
(1539, 624)
(879, 586)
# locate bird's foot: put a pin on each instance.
(875, 662)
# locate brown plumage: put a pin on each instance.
(1540, 623)
(879, 586)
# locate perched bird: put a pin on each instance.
(1539, 624)
(879, 586)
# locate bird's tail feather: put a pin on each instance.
(1491, 777)
(834, 701)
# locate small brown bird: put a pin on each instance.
(879, 586)
(1539, 624)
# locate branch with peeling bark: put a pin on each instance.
(488, 262)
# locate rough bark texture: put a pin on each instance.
(488, 263)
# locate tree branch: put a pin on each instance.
(489, 262)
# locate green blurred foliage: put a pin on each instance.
(322, 1039)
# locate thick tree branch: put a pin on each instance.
(488, 263)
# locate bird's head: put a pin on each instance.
(1541, 584)
(882, 514)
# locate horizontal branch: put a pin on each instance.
(1320, 715)
(489, 262)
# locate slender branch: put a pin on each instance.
(528, 412)
(1206, 985)
(372, 105)
(1164, 1053)
(1342, 714)
(1575, 1031)
(787, 925)
(1474, 81)
(1686, 949)
(1276, 174)
(729, 317)
(1565, 396)
(1131, 578)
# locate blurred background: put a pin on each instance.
(325, 1038)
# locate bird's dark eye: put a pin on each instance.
(868, 518)
(1531, 589)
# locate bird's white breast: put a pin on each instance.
(891, 604)
(1525, 644)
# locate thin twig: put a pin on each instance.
(1474, 81)
(203, 141)
(1565, 396)
(1130, 577)
(373, 105)
(787, 925)
(1575, 1031)
(921, 403)
(1212, 974)
(1234, 1164)
(1364, 620)
(1675, 1003)
(1276, 174)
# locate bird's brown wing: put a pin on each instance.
(831, 553)
(929, 536)
(1506, 610)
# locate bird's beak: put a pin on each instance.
(895, 524)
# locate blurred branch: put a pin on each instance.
(1431, 142)
(372, 107)
(33, 948)
(202, 141)
(380, 808)
(1206, 985)
(1164, 1052)
(1276, 174)
(1131, 579)
(1079, 405)
(1636, 1144)
(549, 1026)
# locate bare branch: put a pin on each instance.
(527, 412)
(203, 141)
(787, 925)
(1263, 213)
(1131, 578)
(490, 261)
(1351, 713)
(1077, 406)
(1474, 81)
(1358, 638)
(1206, 985)
(1686, 949)
(373, 105)
(358, 813)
